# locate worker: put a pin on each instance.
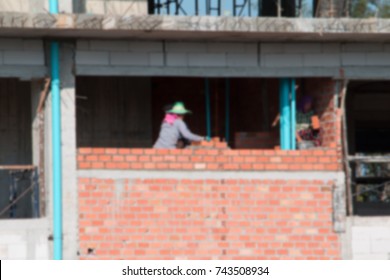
(307, 126)
(173, 128)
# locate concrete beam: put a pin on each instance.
(175, 71)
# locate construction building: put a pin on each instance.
(237, 65)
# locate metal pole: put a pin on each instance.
(227, 110)
(196, 7)
(177, 7)
(285, 116)
(208, 108)
(279, 8)
(56, 141)
(293, 115)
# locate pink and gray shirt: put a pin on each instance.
(172, 129)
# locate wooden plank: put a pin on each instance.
(17, 167)
(43, 95)
(373, 159)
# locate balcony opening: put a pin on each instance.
(19, 184)
(368, 130)
(127, 112)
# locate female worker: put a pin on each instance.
(174, 128)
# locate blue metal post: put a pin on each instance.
(56, 140)
(227, 110)
(293, 115)
(285, 117)
(208, 108)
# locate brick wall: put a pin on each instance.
(208, 159)
(323, 92)
(206, 219)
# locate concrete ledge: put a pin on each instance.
(204, 27)
(352, 72)
(266, 175)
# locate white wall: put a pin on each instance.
(367, 238)
(116, 7)
(24, 6)
(24, 239)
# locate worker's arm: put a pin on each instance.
(299, 139)
(186, 133)
(276, 120)
(315, 122)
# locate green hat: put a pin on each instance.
(179, 109)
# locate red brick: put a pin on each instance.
(144, 158)
(97, 165)
(111, 151)
(84, 165)
(149, 165)
(196, 159)
(117, 158)
(262, 159)
(150, 151)
(131, 158)
(137, 151)
(213, 166)
(162, 165)
(123, 165)
(238, 159)
(325, 160)
(98, 151)
(162, 152)
(84, 151)
(258, 166)
(123, 151)
(244, 152)
(91, 158)
(318, 153)
(104, 158)
(230, 152)
(136, 165)
(110, 165)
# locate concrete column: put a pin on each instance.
(38, 6)
(69, 152)
(38, 144)
(49, 170)
(69, 175)
(36, 87)
(65, 6)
